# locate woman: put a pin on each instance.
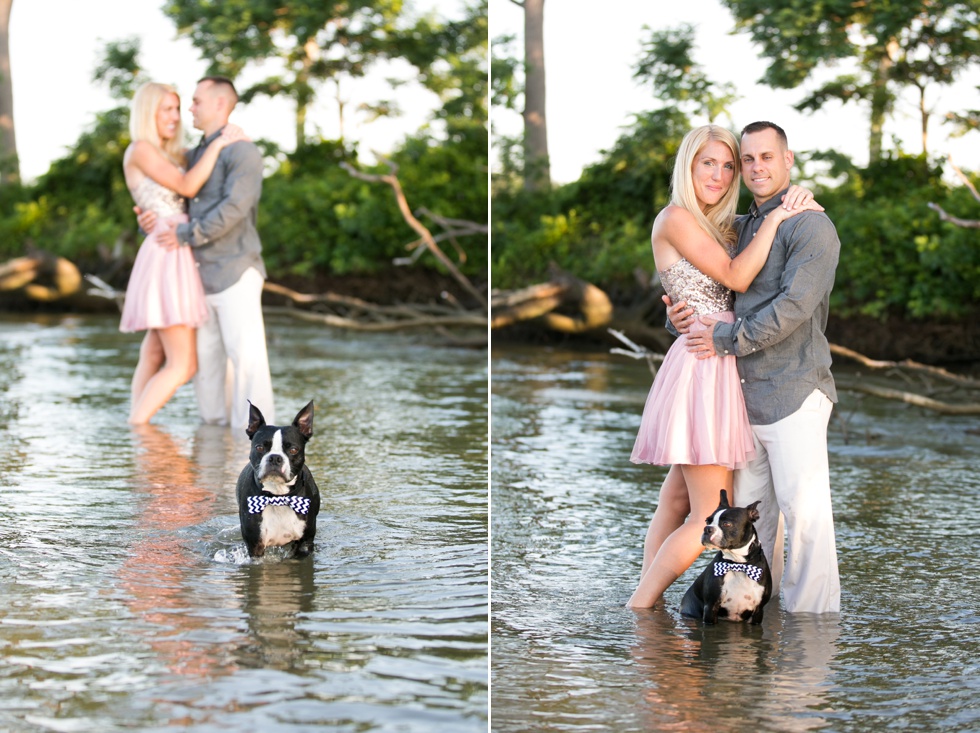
(164, 296)
(695, 418)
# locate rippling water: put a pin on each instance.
(128, 599)
(569, 512)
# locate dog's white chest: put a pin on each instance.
(280, 526)
(739, 593)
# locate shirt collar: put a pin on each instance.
(755, 211)
(205, 141)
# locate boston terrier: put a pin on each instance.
(277, 497)
(737, 583)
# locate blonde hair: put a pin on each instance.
(717, 219)
(143, 120)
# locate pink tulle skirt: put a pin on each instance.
(695, 413)
(164, 287)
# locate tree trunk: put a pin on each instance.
(9, 166)
(881, 100)
(537, 166)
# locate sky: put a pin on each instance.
(591, 47)
(55, 46)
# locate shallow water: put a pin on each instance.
(569, 512)
(129, 602)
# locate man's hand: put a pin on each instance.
(167, 235)
(702, 343)
(679, 315)
(146, 219)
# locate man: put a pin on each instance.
(784, 364)
(233, 362)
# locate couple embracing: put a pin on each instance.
(744, 396)
(196, 284)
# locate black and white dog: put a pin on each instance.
(277, 497)
(737, 582)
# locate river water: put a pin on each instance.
(569, 513)
(128, 601)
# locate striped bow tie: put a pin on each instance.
(753, 571)
(298, 504)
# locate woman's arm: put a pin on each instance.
(151, 162)
(684, 234)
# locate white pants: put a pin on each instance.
(790, 475)
(232, 359)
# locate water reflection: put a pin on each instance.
(155, 574)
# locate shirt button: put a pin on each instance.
(742, 381)
(726, 351)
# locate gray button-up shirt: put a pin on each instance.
(778, 333)
(222, 229)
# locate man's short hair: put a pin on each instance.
(763, 125)
(224, 85)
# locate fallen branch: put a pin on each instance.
(943, 216)
(912, 399)
(327, 319)
(392, 180)
(915, 366)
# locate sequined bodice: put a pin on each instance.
(683, 281)
(151, 196)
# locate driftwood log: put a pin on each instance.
(41, 277)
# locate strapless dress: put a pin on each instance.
(695, 413)
(164, 286)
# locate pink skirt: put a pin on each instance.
(695, 414)
(164, 287)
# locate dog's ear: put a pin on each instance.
(304, 421)
(753, 511)
(255, 420)
(723, 502)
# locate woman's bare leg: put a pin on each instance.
(150, 361)
(673, 506)
(683, 545)
(180, 354)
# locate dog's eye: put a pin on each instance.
(293, 450)
(260, 449)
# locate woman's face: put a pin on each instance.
(168, 116)
(713, 173)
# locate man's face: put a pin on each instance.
(766, 164)
(204, 105)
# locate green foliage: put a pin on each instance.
(897, 257)
(668, 66)
(314, 41)
(597, 227)
(315, 217)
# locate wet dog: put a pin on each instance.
(737, 582)
(278, 499)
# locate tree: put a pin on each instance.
(537, 164)
(894, 45)
(120, 69)
(315, 41)
(667, 64)
(9, 168)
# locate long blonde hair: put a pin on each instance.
(143, 122)
(718, 219)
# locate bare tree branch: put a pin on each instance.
(392, 180)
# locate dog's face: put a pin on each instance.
(278, 453)
(730, 527)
